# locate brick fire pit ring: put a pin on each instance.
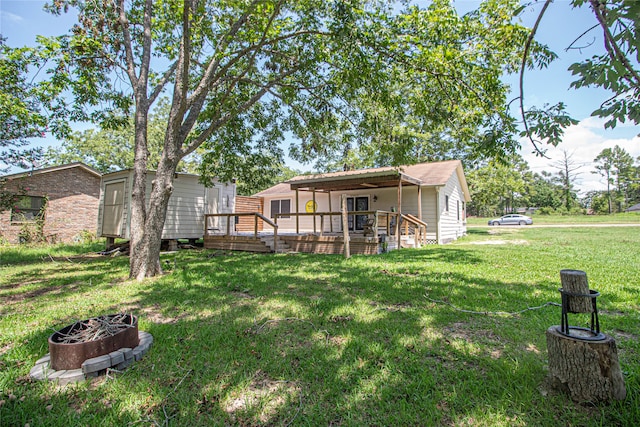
(66, 356)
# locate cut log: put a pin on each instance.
(575, 282)
(589, 371)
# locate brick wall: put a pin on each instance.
(73, 197)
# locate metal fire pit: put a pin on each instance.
(70, 356)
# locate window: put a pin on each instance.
(280, 207)
(446, 203)
(458, 209)
(28, 209)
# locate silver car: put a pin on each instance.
(511, 219)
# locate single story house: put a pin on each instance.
(64, 197)
(435, 193)
(384, 208)
(188, 205)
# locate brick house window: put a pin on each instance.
(28, 209)
(280, 207)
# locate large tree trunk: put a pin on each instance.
(145, 249)
(139, 187)
(145, 261)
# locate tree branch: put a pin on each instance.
(198, 101)
(221, 121)
(162, 83)
(579, 37)
(612, 47)
(209, 75)
(522, 67)
(128, 48)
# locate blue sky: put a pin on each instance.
(21, 20)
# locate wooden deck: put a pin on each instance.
(371, 243)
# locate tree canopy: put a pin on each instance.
(616, 68)
(21, 117)
(380, 78)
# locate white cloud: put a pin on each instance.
(583, 142)
(11, 17)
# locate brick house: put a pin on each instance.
(65, 196)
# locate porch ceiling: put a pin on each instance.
(336, 182)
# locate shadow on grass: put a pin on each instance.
(302, 339)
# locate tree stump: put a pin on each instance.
(588, 371)
(575, 282)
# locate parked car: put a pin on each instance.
(512, 219)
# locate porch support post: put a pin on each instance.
(330, 217)
(399, 213)
(297, 212)
(345, 226)
(420, 202)
(255, 227)
(314, 211)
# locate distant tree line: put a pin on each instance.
(502, 187)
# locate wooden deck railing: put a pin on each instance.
(384, 222)
(420, 229)
(389, 219)
(231, 217)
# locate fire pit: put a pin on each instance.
(72, 345)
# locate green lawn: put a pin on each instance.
(621, 218)
(244, 339)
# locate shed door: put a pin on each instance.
(212, 199)
(113, 212)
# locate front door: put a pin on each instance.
(361, 203)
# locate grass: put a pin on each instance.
(619, 218)
(245, 339)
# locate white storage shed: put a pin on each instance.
(188, 205)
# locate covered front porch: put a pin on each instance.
(319, 213)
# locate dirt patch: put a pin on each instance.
(152, 314)
(5, 349)
(618, 334)
(262, 399)
(492, 344)
(501, 242)
(338, 340)
(391, 307)
(52, 290)
(242, 295)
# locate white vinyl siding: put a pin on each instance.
(452, 225)
(186, 209)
